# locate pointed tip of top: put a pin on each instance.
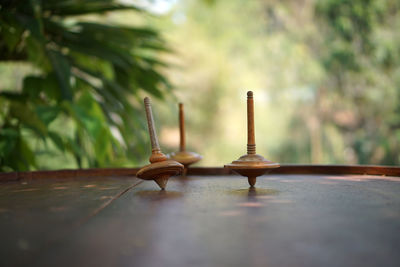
(162, 182)
(250, 93)
(252, 181)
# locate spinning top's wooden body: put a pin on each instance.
(251, 165)
(159, 169)
(183, 156)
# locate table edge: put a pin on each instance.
(285, 169)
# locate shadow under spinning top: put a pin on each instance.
(183, 156)
(161, 195)
(159, 169)
(251, 165)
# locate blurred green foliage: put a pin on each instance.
(325, 73)
(325, 76)
(361, 54)
(82, 99)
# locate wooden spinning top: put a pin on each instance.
(251, 165)
(183, 156)
(159, 169)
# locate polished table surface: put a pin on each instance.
(215, 220)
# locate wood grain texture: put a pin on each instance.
(288, 220)
(36, 213)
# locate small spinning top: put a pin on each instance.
(251, 165)
(159, 169)
(183, 156)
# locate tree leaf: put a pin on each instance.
(62, 70)
(32, 86)
(75, 7)
(47, 114)
(28, 117)
(57, 140)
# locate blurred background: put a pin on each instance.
(325, 75)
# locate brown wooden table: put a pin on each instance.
(297, 216)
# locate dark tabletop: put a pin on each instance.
(288, 220)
